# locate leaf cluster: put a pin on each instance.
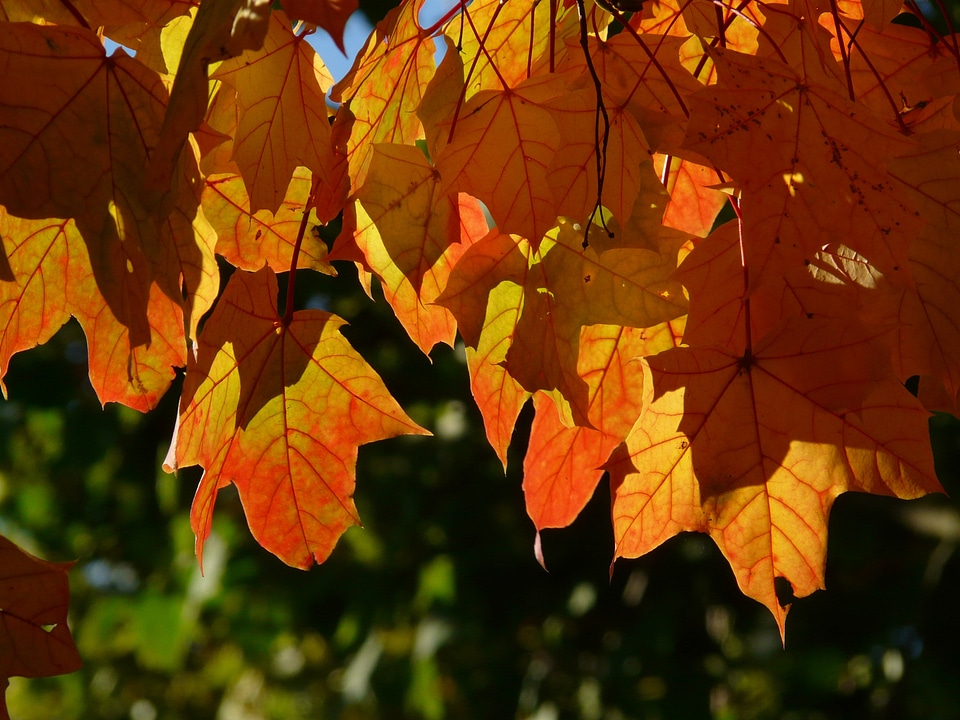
(550, 192)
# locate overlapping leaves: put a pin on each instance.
(732, 380)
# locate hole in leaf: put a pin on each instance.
(913, 385)
(48, 628)
(784, 591)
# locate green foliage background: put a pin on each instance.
(437, 608)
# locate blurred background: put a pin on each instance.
(437, 607)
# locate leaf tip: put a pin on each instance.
(170, 459)
(538, 552)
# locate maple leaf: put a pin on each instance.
(57, 167)
(563, 464)
(251, 240)
(812, 165)
(51, 165)
(411, 237)
(928, 336)
(331, 15)
(753, 449)
(501, 151)
(722, 301)
(280, 124)
(279, 409)
(485, 295)
(34, 638)
(385, 85)
(53, 278)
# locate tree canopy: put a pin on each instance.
(713, 242)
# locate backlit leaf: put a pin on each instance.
(564, 464)
(386, 84)
(502, 148)
(282, 121)
(755, 453)
(53, 279)
(279, 410)
(812, 165)
(411, 238)
(250, 241)
(928, 338)
(485, 293)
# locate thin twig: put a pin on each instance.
(600, 140)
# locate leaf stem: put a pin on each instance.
(748, 339)
(292, 280)
(600, 142)
(553, 34)
(447, 17)
(533, 33)
(77, 15)
(844, 51)
(721, 25)
(665, 173)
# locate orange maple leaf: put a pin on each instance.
(928, 336)
(34, 638)
(485, 295)
(501, 150)
(386, 84)
(411, 237)
(52, 279)
(251, 240)
(563, 464)
(279, 409)
(812, 165)
(754, 448)
(92, 172)
(282, 113)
